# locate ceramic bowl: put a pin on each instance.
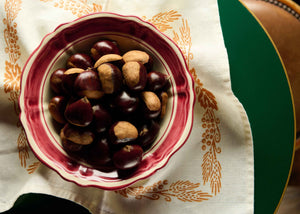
(130, 32)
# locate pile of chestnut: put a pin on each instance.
(109, 105)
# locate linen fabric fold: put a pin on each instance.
(212, 173)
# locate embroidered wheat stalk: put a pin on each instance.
(77, 8)
(162, 20)
(185, 191)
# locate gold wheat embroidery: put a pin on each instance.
(12, 73)
(184, 41)
(33, 167)
(162, 20)
(211, 167)
(13, 70)
(13, 97)
(185, 191)
(77, 7)
(23, 148)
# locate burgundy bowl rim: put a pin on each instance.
(191, 93)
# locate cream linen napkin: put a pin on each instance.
(212, 173)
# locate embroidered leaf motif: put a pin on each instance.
(12, 8)
(182, 186)
(12, 73)
(97, 7)
(207, 166)
(23, 148)
(12, 69)
(184, 41)
(12, 77)
(211, 167)
(207, 99)
(14, 97)
(162, 20)
(194, 196)
(33, 167)
(76, 7)
(216, 176)
(211, 171)
(182, 190)
(198, 83)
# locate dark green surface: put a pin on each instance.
(259, 81)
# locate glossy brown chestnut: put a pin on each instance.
(109, 105)
(135, 75)
(139, 56)
(151, 105)
(128, 157)
(156, 80)
(122, 132)
(102, 118)
(148, 133)
(56, 83)
(68, 80)
(57, 106)
(99, 153)
(126, 102)
(104, 47)
(88, 84)
(68, 145)
(79, 113)
(110, 78)
(78, 135)
(80, 60)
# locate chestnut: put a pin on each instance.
(151, 105)
(122, 132)
(56, 83)
(114, 59)
(80, 60)
(139, 56)
(99, 153)
(110, 77)
(104, 47)
(78, 135)
(148, 133)
(68, 80)
(57, 107)
(126, 102)
(68, 145)
(110, 106)
(88, 84)
(135, 75)
(128, 157)
(79, 112)
(156, 80)
(102, 119)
